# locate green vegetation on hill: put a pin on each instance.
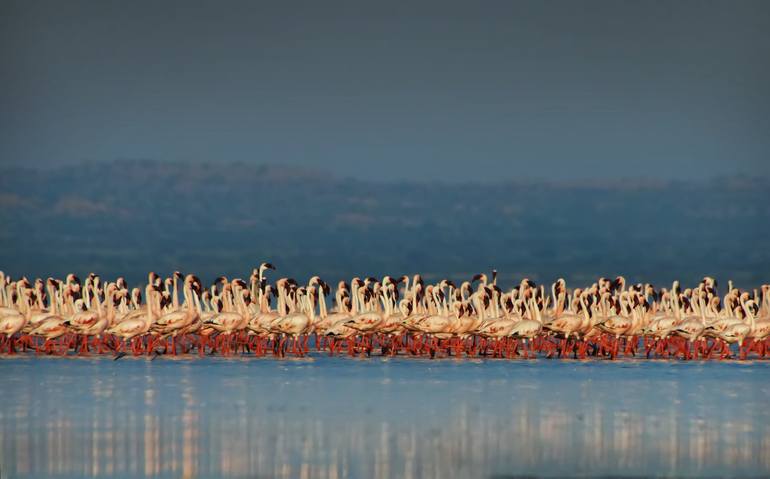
(129, 217)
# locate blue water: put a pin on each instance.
(372, 418)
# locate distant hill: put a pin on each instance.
(128, 217)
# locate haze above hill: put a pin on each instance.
(435, 89)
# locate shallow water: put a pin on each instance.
(336, 417)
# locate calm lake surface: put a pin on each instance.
(380, 418)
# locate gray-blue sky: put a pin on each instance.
(439, 90)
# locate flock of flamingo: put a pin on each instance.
(392, 316)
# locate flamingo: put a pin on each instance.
(130, 329)
(174, 322)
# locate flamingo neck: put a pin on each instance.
(322, 302)
(175, 298)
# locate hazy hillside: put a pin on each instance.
(128, 217)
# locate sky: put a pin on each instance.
(437, 90)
